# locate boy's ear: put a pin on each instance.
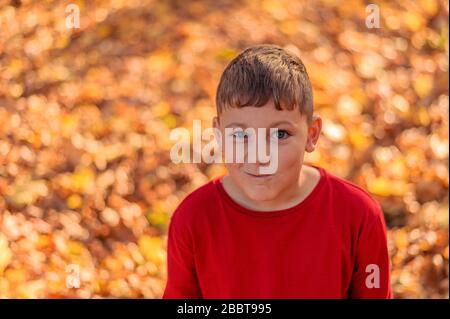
(215, 122)
(314, 130)
(216, 126)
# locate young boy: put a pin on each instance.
(299, 232)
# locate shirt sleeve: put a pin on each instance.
(371, 277)
(182, 282)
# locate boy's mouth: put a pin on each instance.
(259, 176)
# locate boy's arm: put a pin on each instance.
(182, 280)
(371, 278)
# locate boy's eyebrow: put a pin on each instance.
(271, 125)
(236, 124)
(281, 122)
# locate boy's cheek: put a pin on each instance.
(289, 158)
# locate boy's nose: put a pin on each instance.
(257, 149)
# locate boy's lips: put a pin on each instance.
(259, 176)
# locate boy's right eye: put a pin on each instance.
(239, 134)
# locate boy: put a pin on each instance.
(299, 232)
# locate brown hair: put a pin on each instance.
(262, 72)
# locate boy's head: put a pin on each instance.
(265, 86)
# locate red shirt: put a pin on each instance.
(331, 245)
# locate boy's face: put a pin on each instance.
(294, 136)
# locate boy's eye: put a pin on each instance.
(239, 134)
(281, 134)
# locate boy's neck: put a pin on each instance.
(308, 180)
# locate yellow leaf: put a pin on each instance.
(227, 54)
(32, 290)
(15, 67)
(16, 90)
(401, 239)
(75, 248)
(152, 249)
(382, 186)
(83, 180)
(431, 7)
(414, 21)
(158, 218)
(359, 140)
(69, 124)
(15, 276)
(74, 201)
(5, 253)
(423, 84)
(170, 121)
(289, 27)
(161, 109)
(160, 61)
(275, 8)
(28, 192)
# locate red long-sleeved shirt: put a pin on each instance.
(331, 245)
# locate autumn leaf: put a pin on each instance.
(5, 253)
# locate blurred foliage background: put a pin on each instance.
(85, 173)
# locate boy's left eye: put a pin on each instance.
(280, 134)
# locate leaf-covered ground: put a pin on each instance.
(85, 173)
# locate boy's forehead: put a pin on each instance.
(260, 116)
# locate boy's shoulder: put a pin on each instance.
(201, 199)
(353, 196)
